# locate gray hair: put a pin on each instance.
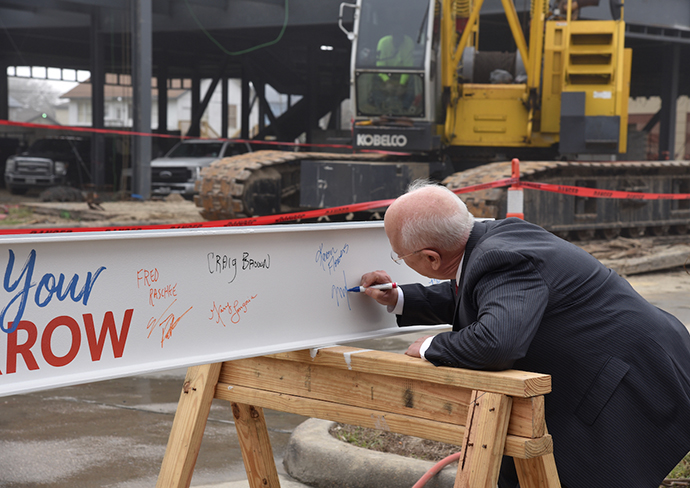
(445, 231)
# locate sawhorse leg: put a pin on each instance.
(256, 446)
(188, 427)
(485, 434)
(539, 472)
(485, 437)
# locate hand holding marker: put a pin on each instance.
(385, 286)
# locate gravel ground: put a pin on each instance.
(27, 211)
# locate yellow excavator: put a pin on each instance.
(428, 102)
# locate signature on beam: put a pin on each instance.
(232, 309)
(166, 324)
(340, 293)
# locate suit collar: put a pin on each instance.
(478, 231)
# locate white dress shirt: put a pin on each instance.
(401, 301)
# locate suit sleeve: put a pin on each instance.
(428, 305)
(510, 299)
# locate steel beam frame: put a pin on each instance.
(97, 101)
(141, 98)
(669, 98)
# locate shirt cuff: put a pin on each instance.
(425, 345)
(398, 309)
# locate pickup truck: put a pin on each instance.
(178, 170)
(60, 161)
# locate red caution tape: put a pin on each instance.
(262, 220)
(598, 193)
(91, 130)
(486, 186)
(360, 207)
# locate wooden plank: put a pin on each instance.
(484, 441)
(433, 401)
(528, 417)
(397, 395)
(188, 426)
(450, 433)
(257, 452)
(510, 382)
(538, 472)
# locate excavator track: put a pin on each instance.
(258, 183)
(268, 182)
(576, 217)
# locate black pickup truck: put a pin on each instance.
(49, 162)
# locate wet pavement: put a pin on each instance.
(114, 433)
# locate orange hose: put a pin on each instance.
(436, 468)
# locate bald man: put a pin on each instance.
(520, 297)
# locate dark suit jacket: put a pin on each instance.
(619, 411)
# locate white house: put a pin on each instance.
(118, 107)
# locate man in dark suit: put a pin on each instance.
(619, 411)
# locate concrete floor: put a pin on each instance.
(113, 433)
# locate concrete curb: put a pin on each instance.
(318, 459)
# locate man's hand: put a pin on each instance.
(388, 298)
(413, 350)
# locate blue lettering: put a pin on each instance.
(51, 289)
(330, 258)
(47, 286)
(27, 272)
(340, 292)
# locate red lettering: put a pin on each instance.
(46, 341)
(108, 327)
(147, 276)
(24, 349)
(96, 340)
(161, 293)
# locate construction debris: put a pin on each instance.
(634, 256)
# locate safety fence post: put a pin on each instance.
(516, 197)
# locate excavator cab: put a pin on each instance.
(392, 74)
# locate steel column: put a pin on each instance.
(4, 92)
(244, 130)
(162, 89)
(669, 99)
(224, 99)
(195, 130)
(198, 112)
(313, 94)
(97, 103)
(141, 106)
(260, 90)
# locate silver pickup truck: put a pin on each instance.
(177, 171)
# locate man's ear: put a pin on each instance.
(433, 258)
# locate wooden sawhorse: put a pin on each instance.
(487, 414)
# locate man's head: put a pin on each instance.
(429, 226)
